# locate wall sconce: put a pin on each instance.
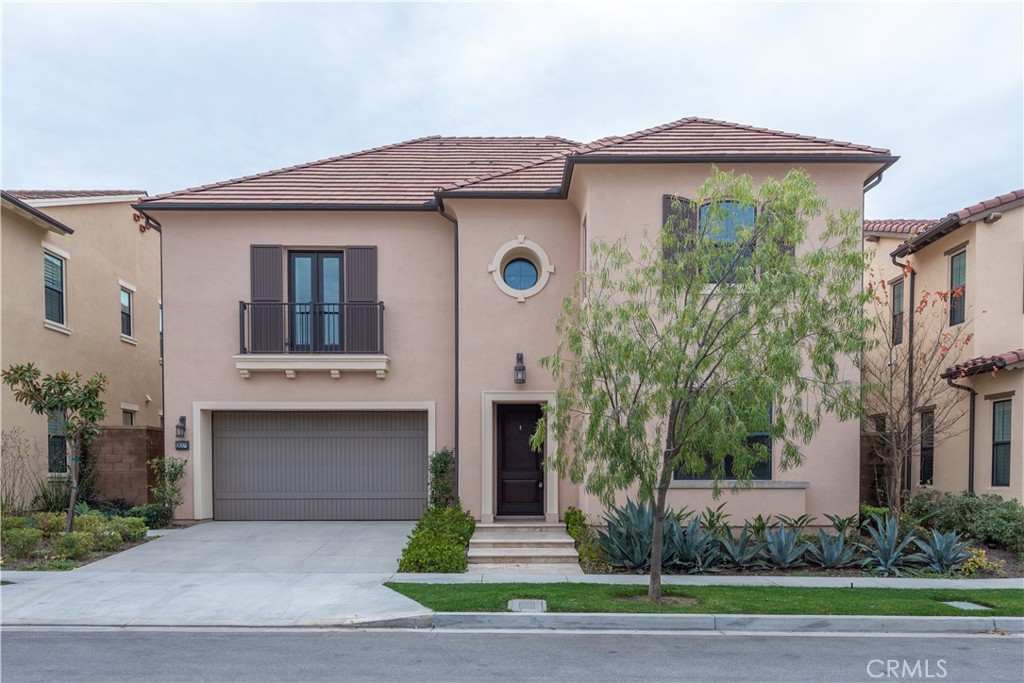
(179, 429)
(519, 371)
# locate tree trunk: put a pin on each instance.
(73, 499)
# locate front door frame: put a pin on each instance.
(489, 465)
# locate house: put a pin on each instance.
(979, 251)
(81, 292)
(330, 324)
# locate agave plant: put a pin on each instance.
(834, 553)
(698, 551)
(742, 552)
(887, 553)
(627, 540)
(946, 552)
(783, 549)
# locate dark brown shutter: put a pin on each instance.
(362, 315)
(680, 220)
(266, 315)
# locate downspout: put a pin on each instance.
(970, 446)
(455, 251)
(908, 469)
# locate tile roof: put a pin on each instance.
(952, 221)
(32, 213)
(406, 173)
(28, 195)
(409, 173)
(686, 138)
(899, 226)
(982, 364)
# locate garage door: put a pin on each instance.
(319, 465)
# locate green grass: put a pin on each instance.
(580, 597)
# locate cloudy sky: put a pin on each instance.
(165, 96)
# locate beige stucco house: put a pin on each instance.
(80, 292)
(978, 250)
(330, 324)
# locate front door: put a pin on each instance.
(520, 468)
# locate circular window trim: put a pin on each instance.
(521, 248)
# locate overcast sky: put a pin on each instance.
(165, 96)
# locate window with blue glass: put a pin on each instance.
(759, 471)
(724, 225)
(520, 274)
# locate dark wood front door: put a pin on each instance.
(520, 469)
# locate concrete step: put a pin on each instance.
(520, 540)
(521, 555)
(532, 527)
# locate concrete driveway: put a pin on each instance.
(228, 574)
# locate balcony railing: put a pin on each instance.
(311, 328)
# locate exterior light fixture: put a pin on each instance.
(519, 371)
(179, 429)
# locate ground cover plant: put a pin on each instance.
(577, 597)
(38, 541)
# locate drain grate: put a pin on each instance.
(964, 605)
(528, 605)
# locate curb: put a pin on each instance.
(724, 622)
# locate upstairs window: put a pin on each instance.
(897, 313)
(724, 225)
(958, 288)
(126, 313)
(1001, 428)
(54, 288)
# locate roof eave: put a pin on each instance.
(947, 225)
(34, 215)
(279, 206)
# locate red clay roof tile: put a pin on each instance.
(981, 364)
(899, 226)
(29, 195)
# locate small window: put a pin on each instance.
(724, 226)
(127, 418)
(56, 445)
(957, 288)
(878, 422)
(126, 312)
(520, 274)
(897, 313)
(54, 287)
(1001, 414)
(927, 446)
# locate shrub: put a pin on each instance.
(130, 528)
(988, 518)
(14, 523)
(592, 558)
(438, 542)
(50, 523)
(978, 563)
(89, 523)
(867, 511)
(20, 542)
(108, 539)
(441, 474)
(115, 507)
(167, 490)
(74, 545)
(153, 515)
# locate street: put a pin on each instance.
(40, 654)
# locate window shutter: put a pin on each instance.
(362, 315)
(266, 314)
(680, 221)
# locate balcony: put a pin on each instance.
(293, 337)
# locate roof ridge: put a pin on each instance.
(91, 192)
(613, 140)
(465, 182)
(276, 171)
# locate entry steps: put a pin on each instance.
(522, 546)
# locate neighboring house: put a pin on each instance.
(978, 250)
(330, 324)
(80, 292)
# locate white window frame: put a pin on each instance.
(62, 256)
(131, 290)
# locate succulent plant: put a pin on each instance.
(945, 553)
(887, 554)
(834, 553)
(743, 551)
(783, 548)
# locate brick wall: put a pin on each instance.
(119, 457)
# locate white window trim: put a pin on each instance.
(521, 247)
(64, 257)
(132, 290)
(127, 285)
(130, 407)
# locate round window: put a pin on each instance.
(520, 274)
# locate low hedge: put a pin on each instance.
(438, 542)
(21, 541)
(987, 518)
(74, 545)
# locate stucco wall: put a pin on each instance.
(105, 247)
(207, 273)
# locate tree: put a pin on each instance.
(671, 355)
(64, 396)
(898, 392)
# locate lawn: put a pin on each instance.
(581, 597)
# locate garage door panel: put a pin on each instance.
(343, 465)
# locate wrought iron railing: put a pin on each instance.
(311, 327)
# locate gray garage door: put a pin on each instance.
(319, 465)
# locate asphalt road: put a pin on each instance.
(339, 655)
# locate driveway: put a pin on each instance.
(228, 574)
